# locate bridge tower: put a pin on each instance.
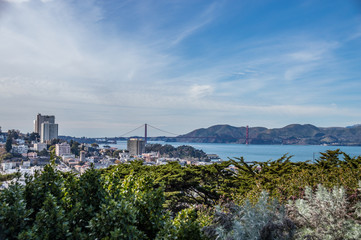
(145, 133)
(247, 135)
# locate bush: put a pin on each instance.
(263, 220)
(324, 215)
(184, 226)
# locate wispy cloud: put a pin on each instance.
(193, 25)
(71, 59)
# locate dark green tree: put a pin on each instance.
(8, 144)
(14, 215)
(50, 222)
(74, 147)
(14, 134)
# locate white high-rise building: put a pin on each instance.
(49, 131)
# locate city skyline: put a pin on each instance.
(105, 67)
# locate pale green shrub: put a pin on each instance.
(264, 220)
(324, 214)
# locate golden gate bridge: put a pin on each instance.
(174, 135)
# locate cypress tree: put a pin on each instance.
(8, 145)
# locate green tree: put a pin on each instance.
(6, 156)
(34, 136)
(116, 153)
(94, 145)
(74, 147)
(116, 220)
(50, 222)
(8, 144)
(14, 215)
(184, 227)
(43, 152)
(13, 134)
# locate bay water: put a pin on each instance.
(259, 152)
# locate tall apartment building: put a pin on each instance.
(46, 127)
(136, 146)
(62, 149)
(41, 119)
(49, 131)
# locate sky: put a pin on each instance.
(105, 67)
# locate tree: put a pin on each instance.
(50, 222)
(6, 156)
(13, 134)
(34, 136)
(116, 153)
(94, 145)
(14, 216)
(74, 148)
(52, 148)
(44, 153)
(8, 145)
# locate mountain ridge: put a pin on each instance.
(292, 134)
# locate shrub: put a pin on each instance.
(324, 214)
(184, 226)
(263, 220)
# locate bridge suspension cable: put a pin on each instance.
(163, 130)
(131, 131)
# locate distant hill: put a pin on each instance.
(298, 134)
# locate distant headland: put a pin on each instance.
(294, 134)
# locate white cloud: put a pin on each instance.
(16, 1)
(200, 91)
(314, 51)
(296, 72)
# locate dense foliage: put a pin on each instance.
(57, 205)
(183, 151)
(231, 200)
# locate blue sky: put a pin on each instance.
(106, 67)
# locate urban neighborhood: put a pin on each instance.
(27, 153)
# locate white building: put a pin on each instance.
(20, 149)
(20, 141)
(62, 149)
(66, 157)
(49, 131)
(7, 165)
(25, 165)
(82, 156)
(40, 146)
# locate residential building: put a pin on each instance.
(20, 149)
(136, 146)
(62, 149)
(40, 146)
(49, 131)
(82, 156)
(32, 155)
(41, 119)
(46, 127)
(67, 157)
(7, 165)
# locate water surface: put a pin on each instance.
(259, 152)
